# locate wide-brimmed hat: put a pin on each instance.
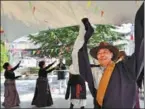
(106, 45)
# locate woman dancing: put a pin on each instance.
(42, 96)
(10, 93)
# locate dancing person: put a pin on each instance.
(42, 96)
(10, 92)
(116, 78)
(76, 87)
(76, 83)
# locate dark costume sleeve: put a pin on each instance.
(11, 75)
(49, 71)
(83, 58)
(49, 66)
(14, 68)
(17, 77)
(134, 64)
(43, 72)
(89, 29)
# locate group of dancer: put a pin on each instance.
(112, 83)
(42, 96)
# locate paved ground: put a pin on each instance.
(26, 90)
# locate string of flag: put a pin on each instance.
(33, 8)
(89, 3)
(97, 9)
(37, 52)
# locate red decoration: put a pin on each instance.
(102, 13)
(34, 9)
(78, 90)
(1, 31)
(131, 37)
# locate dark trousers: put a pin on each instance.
(96, 105)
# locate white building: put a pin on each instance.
(127, 31)
(18, 52)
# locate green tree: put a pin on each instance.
(104, 33)
(4, 55)
(57, 42)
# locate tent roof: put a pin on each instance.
(18, 19)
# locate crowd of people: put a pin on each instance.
(114, 83)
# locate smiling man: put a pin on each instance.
(116, 83)
(106, 54)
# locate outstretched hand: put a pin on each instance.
(87, 23)
(84, 20)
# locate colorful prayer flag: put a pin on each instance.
(88, 3)
(102, 13)
(34, 10)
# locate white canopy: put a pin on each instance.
(19, 18)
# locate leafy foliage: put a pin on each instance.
(3, 54)
(103, 33)
(59, 42)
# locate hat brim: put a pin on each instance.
(113, 49)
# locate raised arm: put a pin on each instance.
(14, 68)
(49, 71)
(82, 55)
(79, 42)
(89, 29)
(135, 63)
(49, 65)
(139, 40)
(9, 75)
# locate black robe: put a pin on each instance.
(122, 87)
(83, 58)
(72, 86)
(42, 96)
